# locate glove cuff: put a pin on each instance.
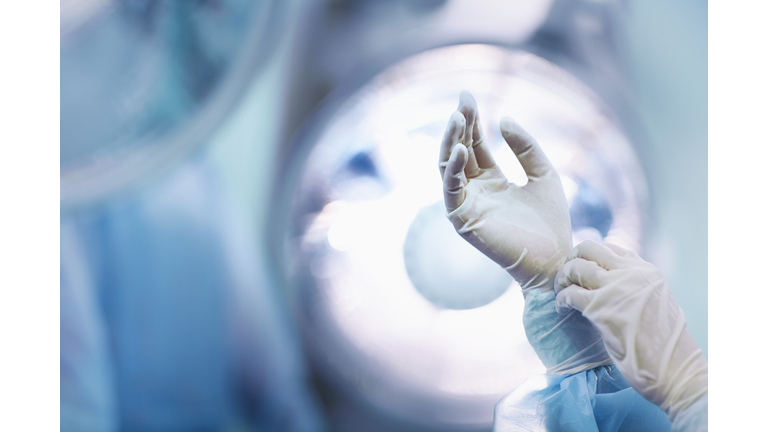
(594, 355)
(566, 344)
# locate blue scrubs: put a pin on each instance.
(169, 321)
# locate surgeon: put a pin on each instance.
(603, 321)
(169, 321)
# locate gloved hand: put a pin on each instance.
(643, 328)
(526, 230)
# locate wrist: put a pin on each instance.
(565, 344)
(544, 282)
(536, 276)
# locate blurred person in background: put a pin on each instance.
(168, 321)
(168, 318)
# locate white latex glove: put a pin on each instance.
(643, 328)
(526, 230)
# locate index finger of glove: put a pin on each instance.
(581, 272)
(528, 152)
(453, 133)
(474, 132)
(593, 251)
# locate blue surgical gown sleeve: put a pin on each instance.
(596, 398)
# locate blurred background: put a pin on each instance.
(252, 236)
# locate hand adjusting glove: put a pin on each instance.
(526, 230)
(643, 328)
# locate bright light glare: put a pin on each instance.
(510, 166)
(339, 237)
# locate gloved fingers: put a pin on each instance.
(454, 179)
(573, 297)
(591, 250)
(620, 251)
(468, 106)
(453, 134)
(581, 272)
(528, 152)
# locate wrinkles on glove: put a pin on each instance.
(524, 229)
(491, 223)
(566, 344)
(643, 328)
(662, 361)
